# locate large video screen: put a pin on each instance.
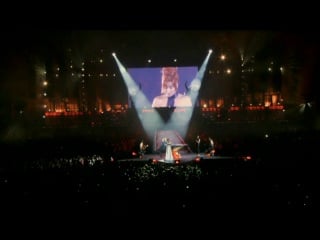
(163, 86)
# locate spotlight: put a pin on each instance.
(133, 91)
(114, 54)
(195, 85)
(210, 50)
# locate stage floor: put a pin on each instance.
(185, 158)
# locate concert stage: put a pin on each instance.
(181, 151)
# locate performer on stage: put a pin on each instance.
(198, 144)
(211, 148)
(143, 148)
(169, 156)
(162, 148)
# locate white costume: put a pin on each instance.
(169, 156)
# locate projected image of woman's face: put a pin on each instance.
(170, 89)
